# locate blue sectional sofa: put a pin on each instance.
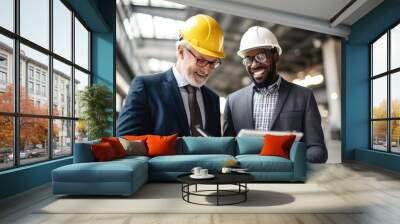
(125, 176)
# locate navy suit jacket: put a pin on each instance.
(154, 106)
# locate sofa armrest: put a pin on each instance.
(83, 152)
(298, 157)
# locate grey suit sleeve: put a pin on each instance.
(313, 134)
(134, 118)
(228, 123)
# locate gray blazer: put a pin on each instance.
(296, 110)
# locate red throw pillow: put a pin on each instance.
(116, 145)
(277, 145)
(161, 145)
(103, 151)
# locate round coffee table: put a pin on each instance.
(238, 179)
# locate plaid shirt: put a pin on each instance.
(264, 105)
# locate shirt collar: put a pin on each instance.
(180, 79)
(271, 88)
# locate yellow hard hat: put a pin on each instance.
(205, 35)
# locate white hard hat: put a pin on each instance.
(258, 37)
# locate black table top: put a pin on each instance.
(220, 178)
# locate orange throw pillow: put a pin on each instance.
(116, 145)
(103, 152)
(161, 145)
(135, 137)
(277, 145)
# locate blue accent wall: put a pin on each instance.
(24, 178)
(99, 16)
(355, 85)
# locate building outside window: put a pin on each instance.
(385, 96)
(57, 128)
(3, 72)
(30, 87)
(3, 78)
(38, 89)
(43, 78)
(37, 74)
(43, 90)
(30, 72)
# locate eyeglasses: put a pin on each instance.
(261, 58)
(203, 62)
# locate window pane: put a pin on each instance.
(62, 138)
(62, 89)
(379, 98)
(6, 142)
(34, 97)
(33, 139)
(81, 132)
(379, 55)
(7, 14)
(6, 74)
(81, 81)
(395, 135)
(62, 29)
(35, 21)
(379, 135)
(81, 45)
(395, 95)
(395, 47)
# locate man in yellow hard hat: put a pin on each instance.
(176, 101)
(270, 102)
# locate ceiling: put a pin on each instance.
(301, 29)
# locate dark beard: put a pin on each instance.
(272, 76)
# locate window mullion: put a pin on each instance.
(16, 84)
(389, 106)
(50, 81)
(73, 82)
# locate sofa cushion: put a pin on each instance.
(116, 145)
(83, 152)
(161, 145)
(112, 171)
(249, 145)
(257, 163)
(207, 145)
(185, 163)
(275, 145)
(134, 147)
(135, 137)
(103, 152)
(131, 158)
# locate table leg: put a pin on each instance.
(245, 191)
(217, 194)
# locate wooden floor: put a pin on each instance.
(377, 188)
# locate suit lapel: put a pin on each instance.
(175, 101)
(248, 109)
(283, 93)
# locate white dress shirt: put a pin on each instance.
(182, 82)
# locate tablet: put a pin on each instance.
(249, 132)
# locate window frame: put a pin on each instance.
(388, 74)
(16, 114)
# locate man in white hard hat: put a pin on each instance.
(270, 102)
(176, 101)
